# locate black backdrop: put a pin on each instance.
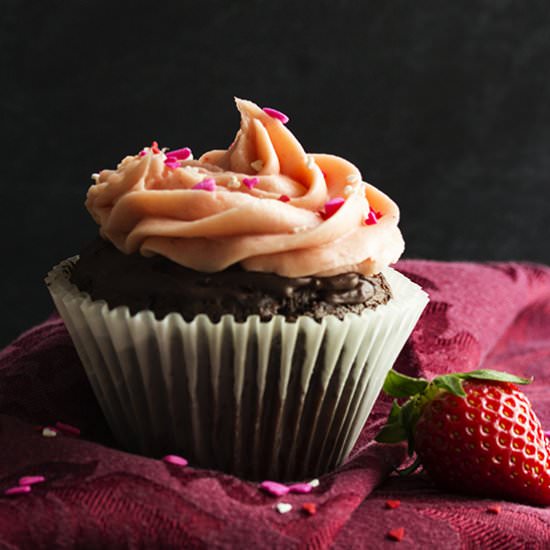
(443, 105)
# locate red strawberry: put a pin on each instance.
(473, 433)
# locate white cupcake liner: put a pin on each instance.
(278, 399)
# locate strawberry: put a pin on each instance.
(473, 433)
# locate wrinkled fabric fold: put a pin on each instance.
(490, 315)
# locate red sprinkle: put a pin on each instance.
(31, 480)
(397, 534)
(175, 459)
(274, 113)
(331, 207)
(179, 154)
(67, 429)
(155, 147)
(393, 504)
(494, 509)
(207, 184)
(310, 508)
(284, 198)
(251, 182)
(19, 490)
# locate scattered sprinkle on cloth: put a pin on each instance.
(92, 495)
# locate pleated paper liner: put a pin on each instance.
(262, 400)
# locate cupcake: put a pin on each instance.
(239, 309)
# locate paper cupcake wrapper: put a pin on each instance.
(262, 400)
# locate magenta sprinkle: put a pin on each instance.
(31, 480)
(251, 182)
(142, 153)
(274, 113)
(179, 154)
(172, 163)
(301, 488)
(284, 198)
(208, 184)
(332, 206)
(175, 459)
(274, 488)
(67, 429)
(372, 217)
(20, 490)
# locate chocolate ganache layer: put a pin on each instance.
(163, 286)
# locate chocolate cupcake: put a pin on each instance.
(239, 309)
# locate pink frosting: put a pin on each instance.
(149, 206)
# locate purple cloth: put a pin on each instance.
(491, 315)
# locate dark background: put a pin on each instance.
(443, 105)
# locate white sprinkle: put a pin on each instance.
(314, 482)
(348, 190)
(300, 229)
(95, 176)
(48, 432)
(283, 507)
(353, 178)
(310, 162)
(257, 165)
(234, 183)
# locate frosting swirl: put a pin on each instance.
(263, 203)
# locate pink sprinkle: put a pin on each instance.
(172, 163)
(274, 488)
(284, 198)
(175, 459)
(372, 217)
(179, 154)
(207, 184)
(31, 480)
(301, 488)
(274, 113)
(142, 153)
(67, 429)
(332, 206)
(251, 182)
(20, 490)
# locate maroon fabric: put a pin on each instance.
(490, 315)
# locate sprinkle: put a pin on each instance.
(274, 113)
(172, 163)
(155, 147)
(283, 507)
(310, 162)
(494, 509)
(353, 178)
(207, 184)
(331, 207)
(274, 488)
(314, 483)
(393, 504)
(310, 508)
(257, 165)
(67, 429)
(397, 534)
(95, 176)
(49, 432)
(142, 153)
(234, 183)
(179, 154)
(175, 459)
(20, 490)
(547, 434)
(300, 488)
(284, 198)
(348, 190)
(31, 480)
(371, 218)
(251, 182)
